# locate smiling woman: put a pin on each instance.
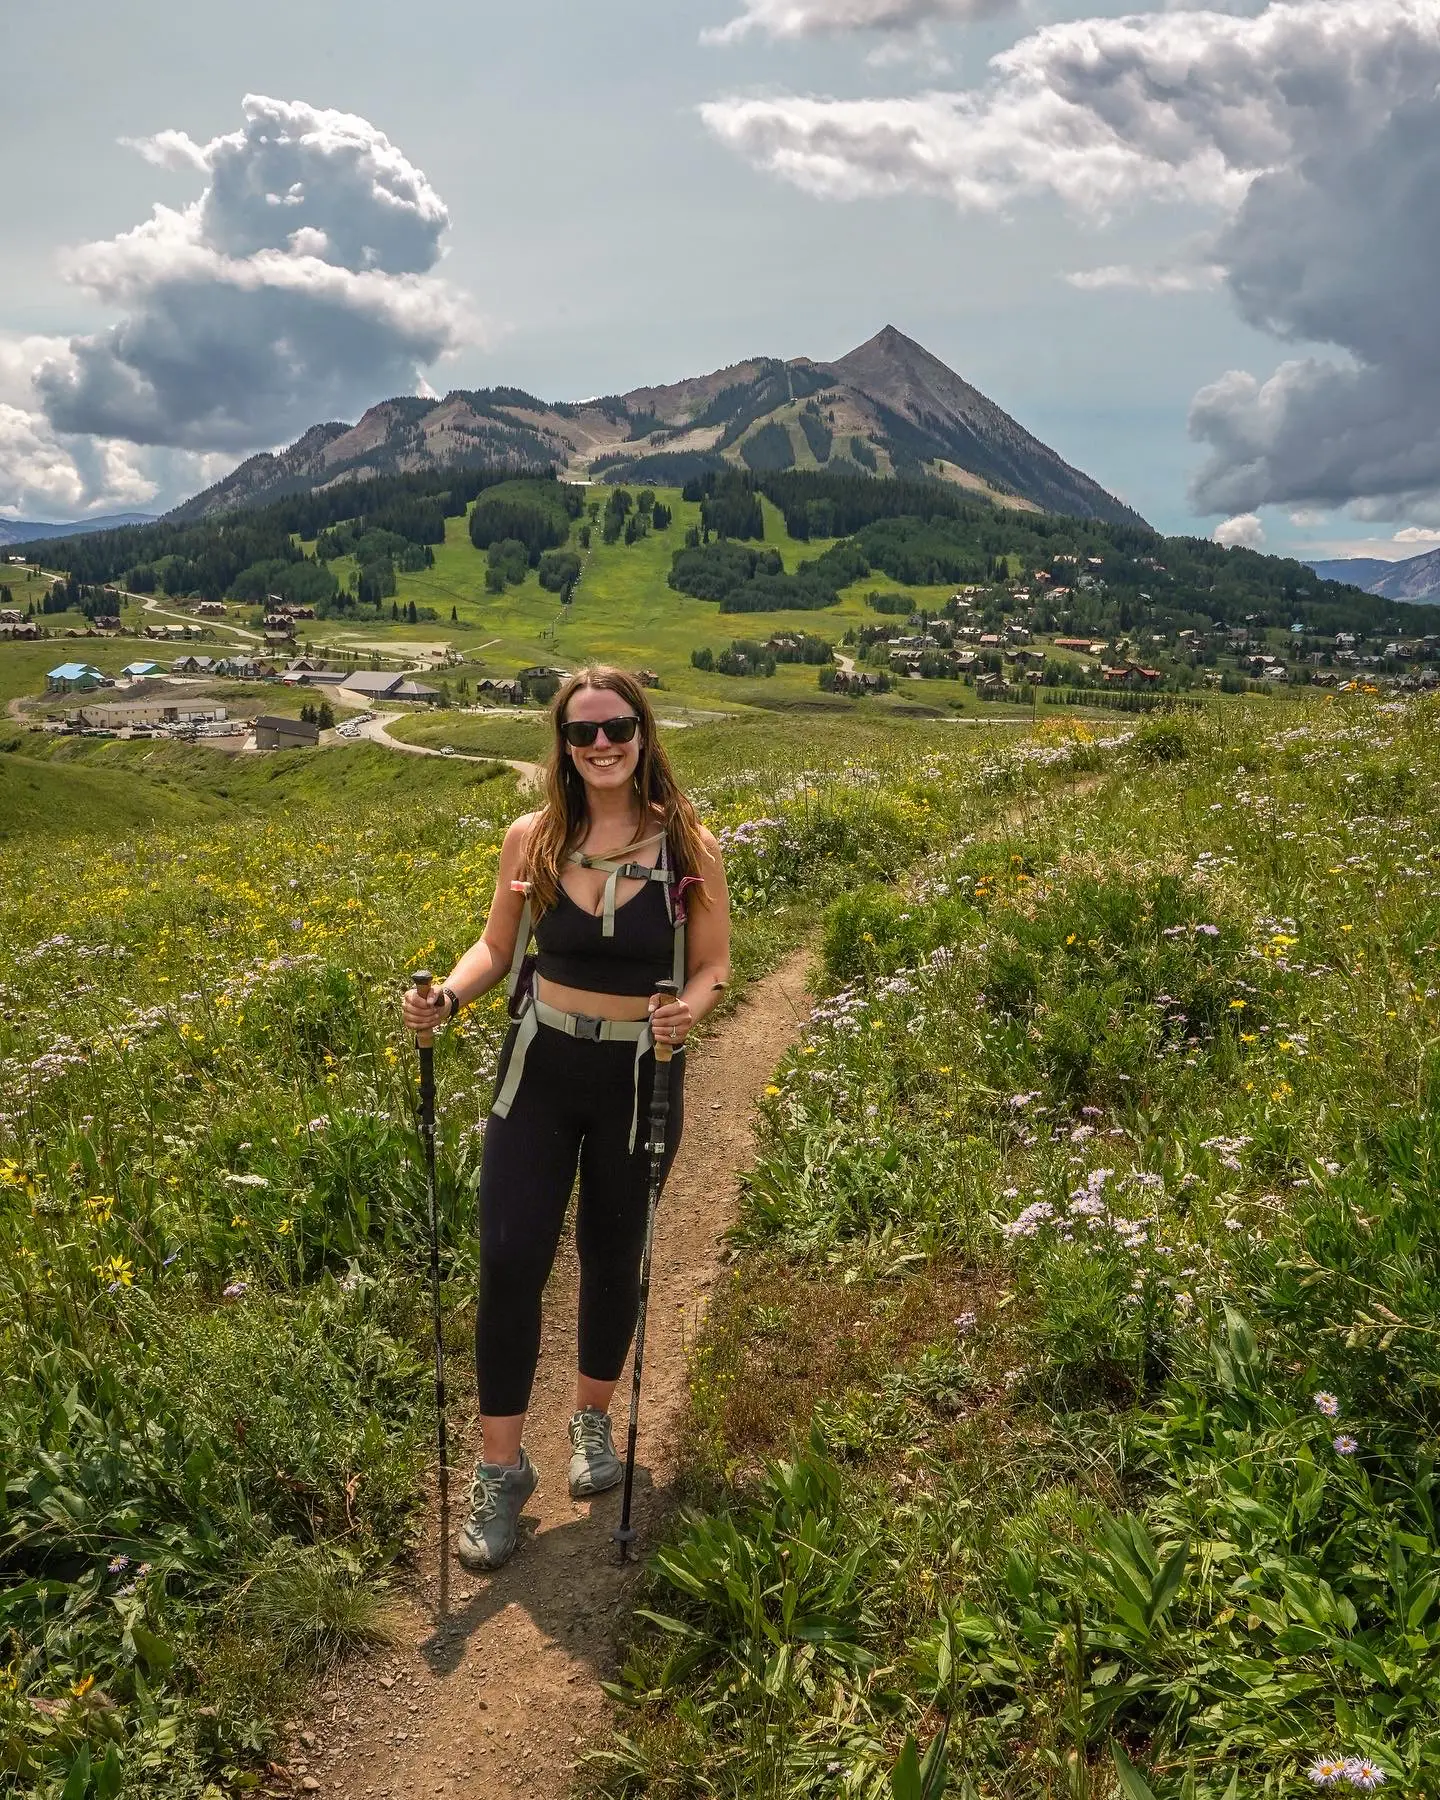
(627, 892)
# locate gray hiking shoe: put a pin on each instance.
(497, 1497)
(594, 1466)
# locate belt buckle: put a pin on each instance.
(588, 1030)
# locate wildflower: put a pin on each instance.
(285, 1227)
(1327, 1404)
(1325, 1771)
(1030, 1220)
(1360, 1772)
(772, 1090)
(1346, 1446)
(965, 1322)
(1237, 1006)
(119, 1563)
(83, 1687)
(235, 1290)
(116, 1272)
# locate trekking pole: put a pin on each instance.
(665, 991)
(425, 1043)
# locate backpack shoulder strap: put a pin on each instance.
(675, 906)
(522, 940)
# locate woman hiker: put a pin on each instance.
(625, 888)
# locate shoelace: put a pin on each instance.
(484, 1494)
(590, 1431)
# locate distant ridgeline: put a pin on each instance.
(1100, 577)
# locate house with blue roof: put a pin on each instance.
(136, 669)
(73, 677)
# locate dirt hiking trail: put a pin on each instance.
(492, 1689)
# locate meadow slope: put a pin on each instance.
(1071, 1419)
(214, 1401)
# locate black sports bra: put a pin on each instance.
(572, 950)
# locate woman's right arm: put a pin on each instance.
(487, 961)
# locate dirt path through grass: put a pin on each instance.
(493, 1689)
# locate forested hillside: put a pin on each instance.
(1049, 571)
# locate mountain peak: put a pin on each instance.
(889, 407)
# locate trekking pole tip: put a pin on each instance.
(624, 1536)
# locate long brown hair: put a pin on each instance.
(560, 824)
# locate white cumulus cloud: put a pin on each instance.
(1312, 128)
(1245, 529)
(299, 286)
(1171, 278)
(830, 18)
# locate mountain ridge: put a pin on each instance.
(1415, 578)
(25, 531)
(888, 407)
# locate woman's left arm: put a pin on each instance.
(707, 952)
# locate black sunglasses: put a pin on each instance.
(582, 733)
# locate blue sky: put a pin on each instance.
(576, 225)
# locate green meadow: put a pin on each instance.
(624, 611)
(214, 1404)
(1070, 1422)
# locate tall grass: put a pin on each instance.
(213, 1403)
(1088, 1293)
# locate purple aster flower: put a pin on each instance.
(119, 1563)
(1327, 1404)
(1326, 1771)
(1346, 1446)
(235, 1289)
(1360, 1772)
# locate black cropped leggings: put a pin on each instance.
(573, 1109)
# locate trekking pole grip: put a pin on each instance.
(665, 992)
(423, 981)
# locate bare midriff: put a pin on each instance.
(594, 1006)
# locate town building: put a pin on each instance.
(274, 733)
(73, 677)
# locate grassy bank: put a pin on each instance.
(1072, 1412)
(214, 1406)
